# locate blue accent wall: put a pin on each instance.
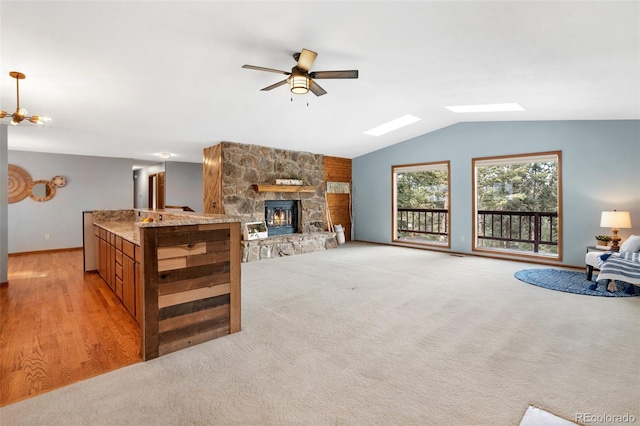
(600, 171)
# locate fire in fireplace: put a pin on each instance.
(281, 216)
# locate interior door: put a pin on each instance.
(156, 191)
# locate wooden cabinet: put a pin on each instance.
(111, 268)
(104, 258)
(129, 284)
(119, 268)
(138, 290)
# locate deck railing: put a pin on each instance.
(535, 228)
(424, 221)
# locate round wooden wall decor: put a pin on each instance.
(59, 181)
(19, 182)
(41, 190)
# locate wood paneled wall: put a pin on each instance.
(192, 285)
(212, 179)
(338, 169)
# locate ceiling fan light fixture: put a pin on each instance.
(299, 84)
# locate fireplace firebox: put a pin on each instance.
(281, 216)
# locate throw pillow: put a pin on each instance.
(632, 244)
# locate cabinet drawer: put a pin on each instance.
(103, 233)
(118, 243)
(138, 257)
(118, 256)
(118, 271)
(127, 248)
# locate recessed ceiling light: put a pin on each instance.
(486, 108)
(164, 155)
(392, 125)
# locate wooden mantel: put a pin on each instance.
(283, 188)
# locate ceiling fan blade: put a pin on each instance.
(316, 89)
(273, 86)
(253, 67)
(306, 59)
(334, 74)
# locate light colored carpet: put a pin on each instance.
(371, 334)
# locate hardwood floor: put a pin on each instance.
(59, 325)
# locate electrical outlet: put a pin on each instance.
(47, 237)
(462, 238)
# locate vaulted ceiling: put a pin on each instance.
(133, 79)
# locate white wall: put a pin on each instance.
(93, 183)
(588, 188)
(183, 185)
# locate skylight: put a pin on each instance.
(392, 125)
(486, 108)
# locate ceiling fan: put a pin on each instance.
(301, 78)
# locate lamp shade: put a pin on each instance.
(299, 83)
(615, 219)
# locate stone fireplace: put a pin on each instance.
(239, 180)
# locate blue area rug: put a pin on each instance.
(574, 282)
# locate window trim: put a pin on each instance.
(432, 165)
(501, 159)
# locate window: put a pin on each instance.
(421, 204)
(517, 204)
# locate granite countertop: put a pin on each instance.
(126, 230)
(127, 223)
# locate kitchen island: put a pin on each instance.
(178, 275)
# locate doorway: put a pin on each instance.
(156, 190)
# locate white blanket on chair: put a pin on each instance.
(623, 266)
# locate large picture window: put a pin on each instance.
(421, 204)
(517, 204)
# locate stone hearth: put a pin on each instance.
(287, 245)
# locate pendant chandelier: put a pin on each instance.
(21, 114)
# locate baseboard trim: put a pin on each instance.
(24, 253)
(478, 254)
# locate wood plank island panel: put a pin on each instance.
(194, 284)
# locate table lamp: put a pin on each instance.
(615, 220)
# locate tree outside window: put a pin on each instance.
(517, 204)
(421, 203)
